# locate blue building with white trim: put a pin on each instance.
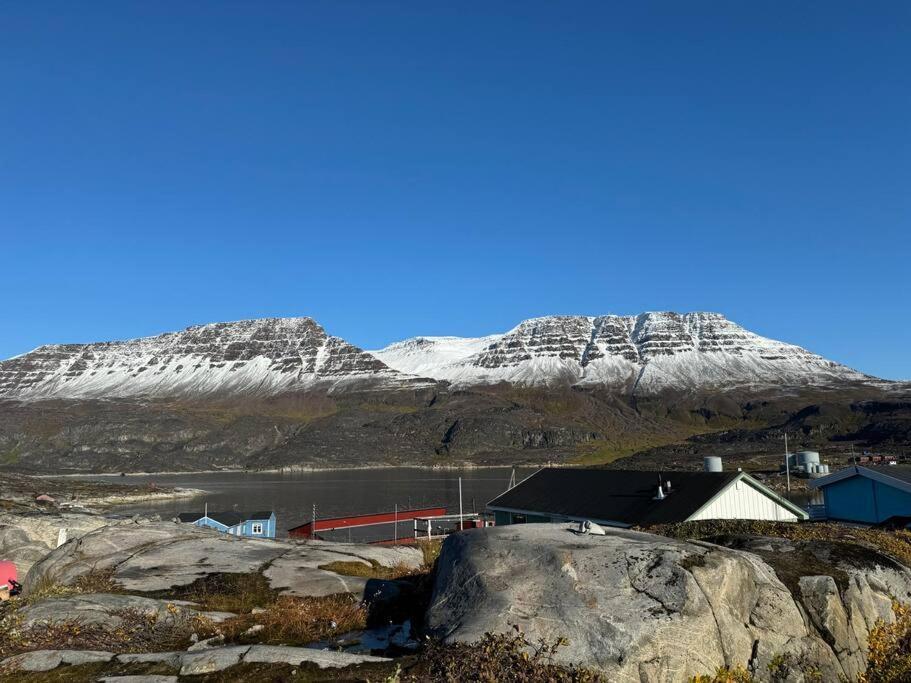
(255, 525)
(869, 495)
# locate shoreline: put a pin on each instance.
(118, 499)
(299, 468)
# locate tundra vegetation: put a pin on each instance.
(254, 612)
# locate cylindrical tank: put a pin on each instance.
(807, 458)
(711, 463)
(824, 469)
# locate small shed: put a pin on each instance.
(870, 495)
(625, 498)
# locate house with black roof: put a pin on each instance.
(626, 498)
(255, 525)
(869, 495)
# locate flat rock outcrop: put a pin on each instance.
(157, 556)
(642, 608)
(106, 610)
(188, 663)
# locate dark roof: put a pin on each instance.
(623, 496)
(229, 518)
(260, 515)
(902, 472)
(897, 476)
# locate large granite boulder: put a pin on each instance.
(640, 607)
(157, 556)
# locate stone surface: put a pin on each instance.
(140, 679)
(101, 609)
(647, 608)
(215, 659)
(297, 572)
(171, 659)
(274, 654)
(46, 660)
(155, 556)
(26, 538)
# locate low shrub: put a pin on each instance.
(498, 658)
(725, 674)
(896, 544)
(889, 655)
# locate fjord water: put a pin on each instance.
(291, 495)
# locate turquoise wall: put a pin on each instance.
(246, 529)
(859, 499)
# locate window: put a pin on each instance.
(257, 528)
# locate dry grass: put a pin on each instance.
(896, 544)
(374, 570)
(95, 581)
(227, 592)
(431, 550)
(137, 632)
(299, 621)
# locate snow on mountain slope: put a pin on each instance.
(259, 357)
(645, 353)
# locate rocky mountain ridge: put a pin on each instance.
(250, 357)
(644, 354)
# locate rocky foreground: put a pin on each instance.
(160, 599)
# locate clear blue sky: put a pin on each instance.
(395, 169)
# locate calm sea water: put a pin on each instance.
(340, 492)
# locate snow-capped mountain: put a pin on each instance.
(644, 353)
(259, 357)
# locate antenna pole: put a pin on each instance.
(787, 462)
(396, 524)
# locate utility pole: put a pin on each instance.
(461, 524)
(787, 462)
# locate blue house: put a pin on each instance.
(867, 494)
(255, 525)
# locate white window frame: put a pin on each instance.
(257, 528)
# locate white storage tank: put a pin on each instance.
(807, 458)
(711, 463)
